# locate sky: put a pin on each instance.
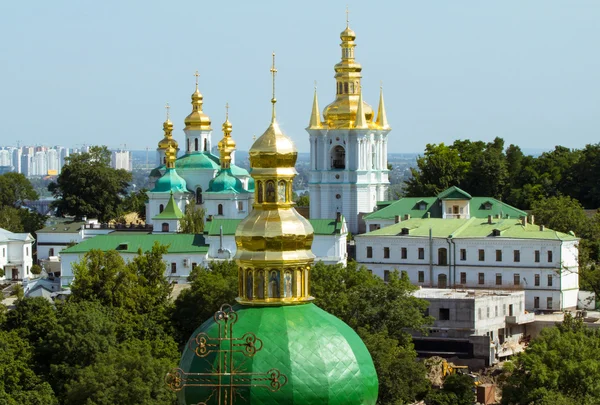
(101, 72)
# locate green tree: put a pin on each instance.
(10, 219)
(89, 187)
(36, 269)
(32, 318)
(136, 202)
(15, 189)
(586, 177)
(193, 219)
(563, 214)
(303, 201)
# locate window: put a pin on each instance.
(536, 279)
(463, 254)
(194, 265)
(549, 280)
(403, 253)
(199, 195)
(270, 192)
(481, 255)
(498, 278)
(386, 252)
(27, 250)
(517, 279)
(196, 144)
(161, 208)
(444, 314)
(536, 302)
(165, 227)
(487, 310)
(386, 275)
(240, 206)
(498, 255)
(338, 157)
(259, 191)
(479, 313)
(3, 252)
(173, 268)
(504, 309)
(549, 256)
(442, 256)
(516, 256)
(370, 271)
(549, 303)
(496, 310)
(51, 252)
(421, 253)
(369, 252)
(537, 256)
(481, 278)
(205, 144)
(463, 278)
(421, 276)
(220, 209)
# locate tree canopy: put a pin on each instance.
(89, 187)
(15, 189)
(193, 218)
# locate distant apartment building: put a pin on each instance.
(121, 159)
(16, 159)
(5, 157)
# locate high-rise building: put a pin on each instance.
(52, 158)
(5, 157)
(26, 165)
(63, 153)
(39, 164)
(121, 159)
(16, 159)
(348, 147)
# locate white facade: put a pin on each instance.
(16, 250)
(121, 159)
(157, 201)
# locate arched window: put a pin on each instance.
(346, 87)
(220, 209)
(205, 144)
(259, 191)
(164, 160)
(188, 145)
(165, 227)
(338, 157)
(281, 194)
(442, 256)
(196, 144)
(339, 88)
(199, 195)
(270, 191)
(249, 285)
(161, 208)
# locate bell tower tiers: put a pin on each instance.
(348, 147)
(197, 125)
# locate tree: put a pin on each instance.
(36, 269)
(15, 189)
(88, 187)
(136, 202)
(303, 201)
(563, 214)
(10, 219)
(586, 171)
(193, 220)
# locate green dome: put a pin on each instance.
(239, 171)
(291, 354)
(225, 182)
(170, 182)
(198, 160)
(251, 184)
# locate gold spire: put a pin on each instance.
(315, 116)
(227, 144)
(197, 119)
(273, 242)
(361, 121)
(171, 155)
(273, 73)
(382, 121)
(168, 129)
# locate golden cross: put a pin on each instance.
(347, 17)
(381, 84)
(167, 107)
(273, 72)
(197, 75)
(315, 85)
(226, 111)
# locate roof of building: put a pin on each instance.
(197, 160)
(7, 236)
(171, 211)
(226, 182)
(63, 227)
(320, 226)
(169, 182)
(465, 294)
(131, 243)
(421, 207)
(470, 228)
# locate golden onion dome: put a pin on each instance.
(347, 35)
(273, 149)
(227, 144)
(168, 140)
(342, 112)
(197, 119)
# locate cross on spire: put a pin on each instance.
(197, 76)
(347, 17)
(167, 107)
(273, 73)
(315, 85)
(226, 111)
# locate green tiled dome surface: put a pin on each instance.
(324, 360)
(225, 182)
(239, 171)
(170, 182)
(199, 160)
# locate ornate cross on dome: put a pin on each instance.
(226, 111)
(228, 379)
(347, 17)
(273, 73)
(197, 76)
(167, 107)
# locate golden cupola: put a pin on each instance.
(227, 144)
(197, 119)
(168, 140)
(274, 242)
(341, 114)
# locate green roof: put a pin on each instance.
(63, 227)
(226, 182)
(171, 211)
(470, 228)
(454, 193)
(320, 226)
(239, 171)
(170, 182)
(197, 160)
(130, 243)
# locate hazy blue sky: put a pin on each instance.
(93, 72)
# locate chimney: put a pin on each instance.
(542, 228)
(396, 219)
(489, 219)
(524, 221)
(406, 217)
(532, 219)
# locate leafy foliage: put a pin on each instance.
(89, 187)
(15, 189)
(136, 202)
(193, 219)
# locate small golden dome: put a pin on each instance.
(168, 139)
(197, 119)
(348, 35)
(227, 144)
(273, 149)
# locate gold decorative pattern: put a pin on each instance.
(227, 377)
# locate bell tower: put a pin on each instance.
(348, 147)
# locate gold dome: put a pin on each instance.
(273, 149)
(227, 144)
(168, 140)
(348, 35)
(197, 119)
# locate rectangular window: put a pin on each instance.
(421, 277)
(479, 313)
(421, 253)
(481, 255)
(194, 265)
(463, 278)
(517, 279)
(369, 252)
(481, 278)
(240, 206)
(403, 253)
(498, 255)
(536, 302)
(173, 267)
(444, 314)
(498, 278)
(536, 280)
(463, 254)
(386, 275)
(504, 309)
(496, 311)
(488, 311)
(549, 280)
(537, 256)
(549, 303)
(549, 256)
(386, 252)
(27, 250)
(370, 271)
(517, 256)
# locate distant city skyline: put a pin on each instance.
(523, 71)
